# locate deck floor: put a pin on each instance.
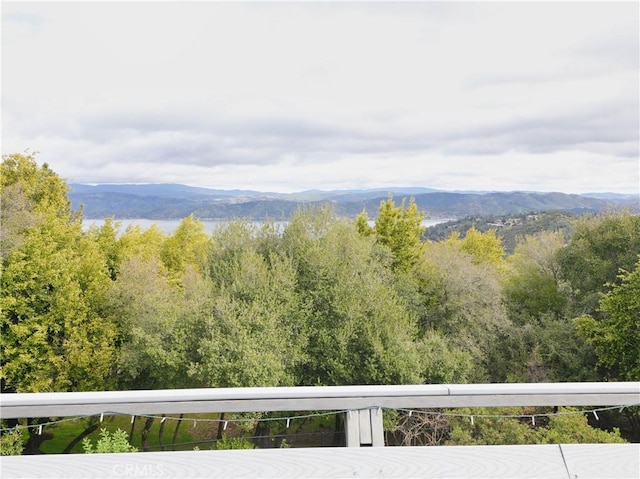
(573, 461)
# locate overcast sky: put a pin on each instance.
(284, 97)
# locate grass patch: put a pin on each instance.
(188, 435)
(202, 435)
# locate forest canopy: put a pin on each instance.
(323, 300)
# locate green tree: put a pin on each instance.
(54, 335)
(443, 362)
(16, 216)
(483, 247)
(144, 242)
(188, 246)
(601, 246)
(252, 336)
(359, 330)
(486, 429)
(44, 191)
(29, 195)
(399, 228)
(532, 284)
(159, 323)
(463, 301)
(106, 237)
(615, 334)
(541, 345)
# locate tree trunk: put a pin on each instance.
(175, 433)
(133, 425)
(145, 434)
(160, 434)
(35, 440)
(220, 427)
(90, 428)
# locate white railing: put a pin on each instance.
(363, 427)
(363, 420)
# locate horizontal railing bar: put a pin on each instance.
(312, 404)
(307, 398)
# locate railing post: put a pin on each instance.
(352, 428)
(364, 428)
(377, 429)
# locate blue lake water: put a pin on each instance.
(169, 226)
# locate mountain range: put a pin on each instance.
(174, 201)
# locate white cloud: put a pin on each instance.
(287, 96)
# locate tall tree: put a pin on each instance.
(251, 338)
(44, 190)
(542, 344)
(106, 237)
(616, 334)
(145, 307)
(54, 335)
(359, 331)
(399, 228)
(601, 246)
(463, 301)
(483, 247)
(532, 285)
(188, 246)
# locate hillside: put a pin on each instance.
(169, 201)
(508, 227)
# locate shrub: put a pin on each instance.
(116, 442)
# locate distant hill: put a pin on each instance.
(172, 201)
(167, 190)
(509, 228)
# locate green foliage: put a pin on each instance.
(106, 238)
(399, 229)
(16, 217)
(547, 350)
(542, 344)
(600, 248)
(489, 430)
(252, 337)
(44, 191)
(358, 329)
(188, 246)
(443, 362)
(564, 428)
(228, 442)
(117, 441)
(616, 337)
(11, 442)
(324, 301)
(362, 224)
(160, 324)
(568, 428)
(465, 301)
(532, 284)
(54, 335)
(146, 243)
(483, 247)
